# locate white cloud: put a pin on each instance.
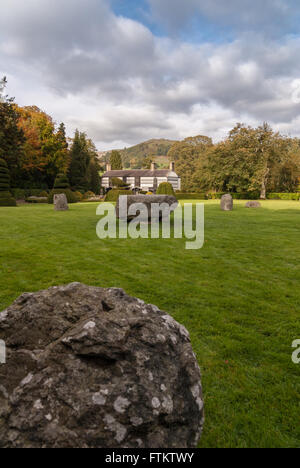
(110, 76)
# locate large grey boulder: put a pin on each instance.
(253, 204)
(60, 202)
(227, 202)
(93, 367)
(147, 200)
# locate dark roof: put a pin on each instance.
(138, 173)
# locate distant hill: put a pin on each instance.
(135, 156)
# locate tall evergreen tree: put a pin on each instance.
(6, 198)
(61, 136)
(79, 162)
(11, 136)
(116, 161)
(94, 180)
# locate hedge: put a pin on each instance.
(235, 196)
(22, 194)
(283, 196)
(165, 188)
(71, 196)
(191, 196)
(119, 184)
(7, 200)
(113, 195)
(37, 199)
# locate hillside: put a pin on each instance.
(134, 157)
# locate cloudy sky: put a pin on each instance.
(129, 70)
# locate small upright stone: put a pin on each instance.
(253, 204)
(60, 202)
(227, 202)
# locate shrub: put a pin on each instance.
(246, 196)
(19, 194)
(43, 194)
(165, 188)
(113, 195)
(78, 195)
(61, 182)
(6, 198)
(71, 197)
(116, 182)
(283, 196)
(235, 196)
(215, 195)
(37, 199)
(191, 196)
(88, 194)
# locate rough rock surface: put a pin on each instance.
(227, 203)
(148, 200)
(60, 202)
(93, 367)
(253, 204)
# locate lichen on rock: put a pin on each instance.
(92, 367)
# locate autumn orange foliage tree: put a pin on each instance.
(45, 151)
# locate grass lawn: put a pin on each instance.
(239, 297)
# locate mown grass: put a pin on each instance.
(239, 297)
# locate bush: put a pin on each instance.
(19, 194)
(191, 196)
(113, 195)
(215, 195)
(283, 196)
(71, 197)
(43, 194)
(6, 198)
(235, 196)
(61, 182)
(165, 188)
(88, 194)
(37, 199)
(78, 195)
(118, 183)
(246, 196)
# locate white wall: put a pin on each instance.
(105, 182)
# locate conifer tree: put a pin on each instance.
(79, 162)
(6, 198)
(116, 161)
(11, 136)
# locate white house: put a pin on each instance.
(145, 179)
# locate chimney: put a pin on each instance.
(172, 166)
(153, 166)
(108, 167)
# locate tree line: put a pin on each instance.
(36, 150)
(248, 160)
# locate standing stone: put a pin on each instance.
(89, 367)
(148, 200)
(227, 202)
(60, 202)
(253, 204)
